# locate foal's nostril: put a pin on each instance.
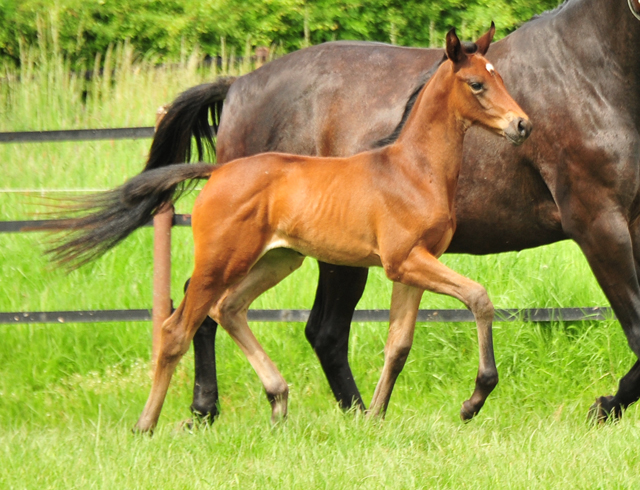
(521, 129)
(518, 130)
(524, 127)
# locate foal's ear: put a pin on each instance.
(484, 42)
(454, 48)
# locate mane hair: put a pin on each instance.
(468, 47)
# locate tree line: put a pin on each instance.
(82, 28)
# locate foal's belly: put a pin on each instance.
(356, 253)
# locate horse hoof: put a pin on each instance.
(603, 410)
(192, 425)
(466, 412)
(140, 431)
(374, 414)
(199, 420)
(278, 420)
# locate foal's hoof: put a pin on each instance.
(604, 410)
(191, 425)
(278, 419)
(373, 414)
(140, 431)
(467, 412)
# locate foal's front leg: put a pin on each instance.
(424, 271)
(405, 301)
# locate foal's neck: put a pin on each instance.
(431, 139)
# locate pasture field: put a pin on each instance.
(69, 393)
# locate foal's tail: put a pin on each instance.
(97, 223)
(186, 117)
(93, 224)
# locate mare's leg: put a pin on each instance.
(205, 386)
(423, 271)
(231, 313)
(615, 261)
(175, 336)
(405, 301)
(339, 290)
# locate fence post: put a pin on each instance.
(162, 305)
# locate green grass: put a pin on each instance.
(69, 393)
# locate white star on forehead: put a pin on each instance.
(491, 69)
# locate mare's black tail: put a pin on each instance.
(186, 117)
(93, 224)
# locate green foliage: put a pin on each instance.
(168, 28)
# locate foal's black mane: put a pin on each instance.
(469, 48)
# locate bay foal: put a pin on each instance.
(391, 207)
(258, 217)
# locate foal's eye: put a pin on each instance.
(476, 86)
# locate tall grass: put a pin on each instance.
(70, 392)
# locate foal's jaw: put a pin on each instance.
(515, 126)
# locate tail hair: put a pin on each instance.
(89, 226)
(188, 116)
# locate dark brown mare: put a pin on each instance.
(390, 207)
(578, 177)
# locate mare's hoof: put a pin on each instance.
(198, 420)
(604, 410)
(191, 425)
(467, 412)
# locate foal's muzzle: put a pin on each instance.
(518, 130)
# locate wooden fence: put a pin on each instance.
(163, 222)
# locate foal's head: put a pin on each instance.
(480, 96)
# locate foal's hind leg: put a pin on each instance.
(231, 314)
(175, 336)
(423, 271)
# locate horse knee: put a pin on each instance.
(227, 313)
(479, 303)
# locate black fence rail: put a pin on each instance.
(144, 315)
(537, 315)
(77, 135)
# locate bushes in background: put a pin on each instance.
(169, 28)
